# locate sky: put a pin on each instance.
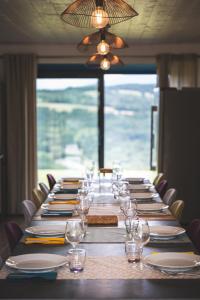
(110, 80)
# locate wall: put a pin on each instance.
(180, 146)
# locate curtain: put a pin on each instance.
(177, 71)
(20, 81)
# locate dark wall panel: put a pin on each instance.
(180, 146)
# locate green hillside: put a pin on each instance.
(67, 125)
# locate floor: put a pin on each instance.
(4, 247)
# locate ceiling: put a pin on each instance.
(159, 21)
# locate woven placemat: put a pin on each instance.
(111, 267)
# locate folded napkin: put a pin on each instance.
(64, 202)
(71, 182)
(44, 275)
(75, 179)
(102, 220)
(67, 191)
(45, 240)
(57, 214)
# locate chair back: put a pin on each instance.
(161, 187)
(177, 209)
(44, 188)
(193, 232)
(170, 196)
(38, 197)
(13, 233)
(1, 262)
(51, 181)
(29, 210)
(159, 177)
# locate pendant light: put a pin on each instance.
(97, 13)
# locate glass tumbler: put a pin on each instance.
(76, 259)
(133, 251)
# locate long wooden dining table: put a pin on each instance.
(103, 251)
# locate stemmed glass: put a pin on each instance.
(82, 209)
(140, 231)
(128, 207)
(74, 232)
(117, 170)
(119, 186)
(90, 173)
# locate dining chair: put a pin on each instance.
(51, 181)
(170, 196)
(29, 210)
(158, 178)
(193, 232)
(161, 187)
(176, 208)
(1, 262)
(38, 197)
(13, 233)
(44, 188)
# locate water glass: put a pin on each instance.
(74, 232)
(76, 259)
(84, 205)
(133, 251)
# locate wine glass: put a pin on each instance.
(128, 207)
(74, 232)
(82, 209)
(117, 170)
(140, 231)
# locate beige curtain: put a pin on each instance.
(20, 80)
(177, 71)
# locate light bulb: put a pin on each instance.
(103, 48)
(99, 18)
(105, 64)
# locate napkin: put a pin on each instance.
(44, 275)
(44, 240)
(64, 202)
(67, 191)
(57, 214)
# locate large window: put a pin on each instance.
(66, 125)
(128, 104)
(102, 119)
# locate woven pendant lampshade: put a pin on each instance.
(97, 13)
(96, 59)
(90, 42)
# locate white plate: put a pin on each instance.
(139, 187)
(173, 261)
(64, 196)
(165, 232)
(58, 207)
(136, 180)
(46, 230)
(153, 207)
(143, 195)
(36, 262)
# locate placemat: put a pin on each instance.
(118, 235)
(111, 267)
